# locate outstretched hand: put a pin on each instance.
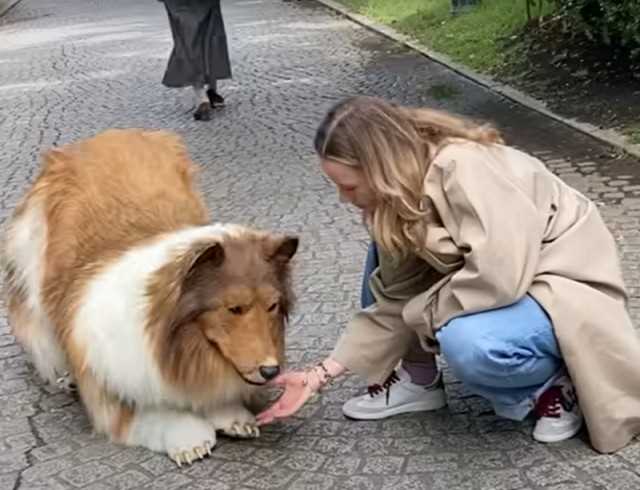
(297, 390)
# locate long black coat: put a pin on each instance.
(200, 54)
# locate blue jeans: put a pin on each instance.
(507, 355)
(371, 264)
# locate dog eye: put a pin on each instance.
(273, 307)
(236, 310)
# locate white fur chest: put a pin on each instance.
(110, 322)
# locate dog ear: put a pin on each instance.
(192, 301)
(208, 256)
(281, 248)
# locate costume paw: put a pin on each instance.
(189, 440)
(67, 383)
(242, 431)
(235, 421)
(188, 456)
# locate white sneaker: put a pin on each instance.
(559, 415)
(395, 396)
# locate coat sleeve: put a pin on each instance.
(377, 338)
(497, 227)
(374, 342)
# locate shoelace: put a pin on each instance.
(552, 401)
(377, 389)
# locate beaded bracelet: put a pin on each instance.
(325, 379)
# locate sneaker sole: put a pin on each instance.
(568, 434)
(438, 402)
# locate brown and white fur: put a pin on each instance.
(167, 324)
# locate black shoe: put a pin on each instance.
(203, 112)
(215, 98)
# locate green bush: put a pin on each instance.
(613, 22)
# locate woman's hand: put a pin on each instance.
(299, 386)
(297, 390)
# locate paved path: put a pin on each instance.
(69, 69)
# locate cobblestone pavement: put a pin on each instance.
(69, 69)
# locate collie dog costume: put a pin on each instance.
(115, 278)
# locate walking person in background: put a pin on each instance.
(200, 55)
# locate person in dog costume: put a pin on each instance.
(200, 56)
(482, 255)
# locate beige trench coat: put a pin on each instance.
(504, 226)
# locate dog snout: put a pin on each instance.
(269, 372)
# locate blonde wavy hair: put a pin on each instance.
(394, 146)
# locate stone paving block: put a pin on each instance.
(98, 451)
(311, 481)
(533, 455)
(169, 481)
(53, 450)
(632, 455)
(548, 474)
(234, 472)
(619, 480)
(80, 476)
(447, 480)
(500, 480)
(158, 465)
(409, 482)
(52, 484)
(8, 480)
(372, 445)
(129, 480)
(336, 445)
(39, 472)
(275, 478)
(13, 461)
(447, 462)
(597, 465)
(383, 465)
(211, 484)
(129, 457)
(99, 486)
(22, 442)
(303, 461)
(575, 486)
(342, 465)
(485, 460)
